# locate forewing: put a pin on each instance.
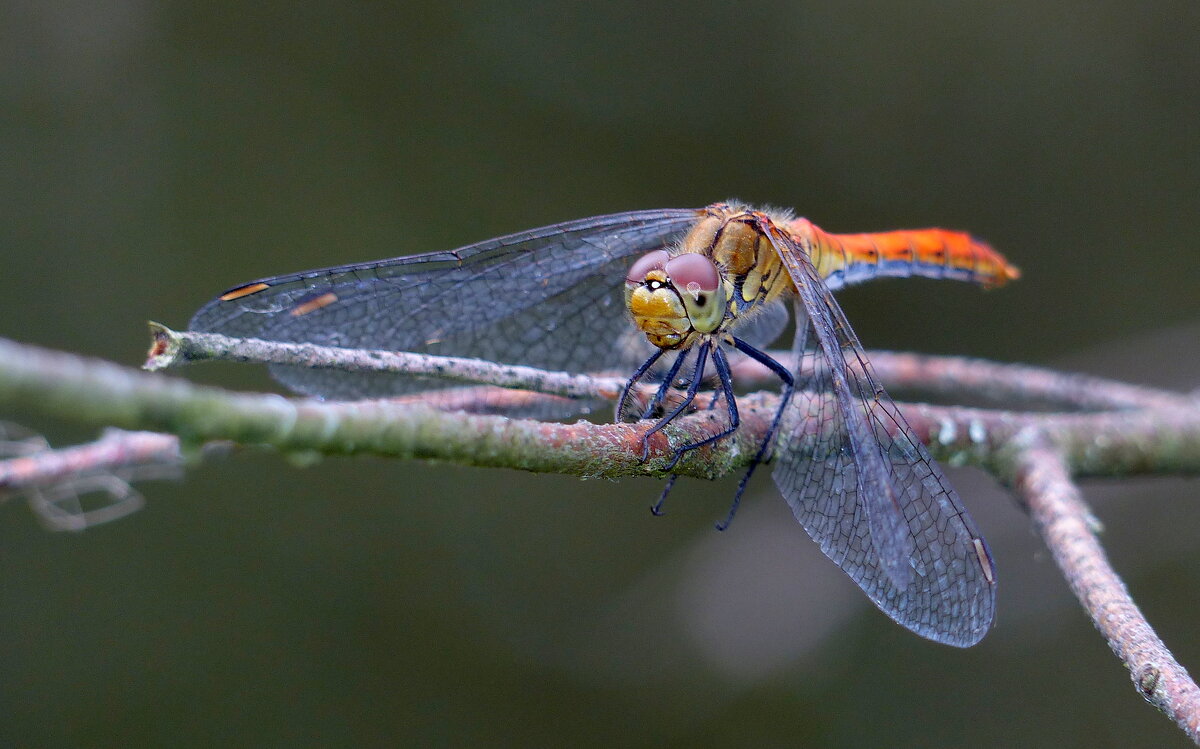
(549, 298)
(865, 488)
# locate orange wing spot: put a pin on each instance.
(241, 291)
(985, 563)
(314, 304)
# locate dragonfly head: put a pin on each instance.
(673, 298)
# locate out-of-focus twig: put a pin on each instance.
(115, 449)
(1012, 384)
(56, 481)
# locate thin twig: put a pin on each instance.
(1066, 524)
(172, 348)
(948, 376)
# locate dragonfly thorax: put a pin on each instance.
(675, 299)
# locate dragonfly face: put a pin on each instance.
(675, 300)
(696, 283)
(724, 268)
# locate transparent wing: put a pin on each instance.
(549, 297)
(765, 326)
(865, 488)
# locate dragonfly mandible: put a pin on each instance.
(709, 283)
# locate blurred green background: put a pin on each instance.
(156, 153)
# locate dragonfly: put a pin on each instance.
(694, 285)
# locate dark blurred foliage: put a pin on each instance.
(156, 153)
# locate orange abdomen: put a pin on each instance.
(843, 259)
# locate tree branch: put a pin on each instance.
(1067, 525)
(101, 392)
(95, 391)
(1141, 431)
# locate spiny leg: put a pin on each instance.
(657, 508)
(653, 405)
(662, 498)
(623, 401)
(693, 387)
(726, 377)
(789, 384)
(665, 385)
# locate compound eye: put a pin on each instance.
(694, 274)
(656, 260)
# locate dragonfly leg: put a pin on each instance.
(623, 401)
(657, 508)
(651, 407)
(668, 381)
(693, 387)
(722, 366)
(655, 403)
(789, 385)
